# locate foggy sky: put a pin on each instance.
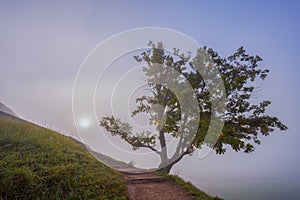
(42, 46)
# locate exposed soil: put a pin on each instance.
(144, 185)
(153, 187)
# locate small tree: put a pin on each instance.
(243, 120)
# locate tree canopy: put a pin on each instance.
(182, 102)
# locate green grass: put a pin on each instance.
(37, 163)
(194, 192)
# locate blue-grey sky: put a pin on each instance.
(42, 45)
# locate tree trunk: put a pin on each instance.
(166, 169)
(167, 165)
(163, 155)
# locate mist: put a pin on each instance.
(43, 45)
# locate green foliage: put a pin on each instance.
(37, 163)
(243, 120)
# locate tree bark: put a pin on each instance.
(163, 146)
(167, 165)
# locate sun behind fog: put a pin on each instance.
(85, 122)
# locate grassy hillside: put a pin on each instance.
(38, 163)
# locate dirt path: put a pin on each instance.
(142, 184)
(151, 186)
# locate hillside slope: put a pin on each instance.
(39, 163)
(7, 110)
(8, 113)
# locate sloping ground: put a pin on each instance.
(151, 186)
(6, 110)
(145, 184)
(36, 163)
(8, 113)
(118, 165)
(154, 185)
